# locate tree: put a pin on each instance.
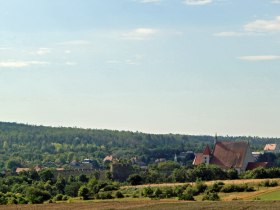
(46, 175)
(13, 164)
(37, 196)
(135, 179)
(83, 192)
(83, 178)
(72, 189)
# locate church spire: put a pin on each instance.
(215, 139)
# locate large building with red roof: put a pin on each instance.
(228, 155)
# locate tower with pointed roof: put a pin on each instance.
(206, 155)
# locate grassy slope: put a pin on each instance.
(244, 202)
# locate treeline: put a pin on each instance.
(27, 145)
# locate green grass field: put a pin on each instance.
(270, 196)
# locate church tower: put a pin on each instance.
(206, 155)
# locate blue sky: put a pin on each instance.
(157, 66)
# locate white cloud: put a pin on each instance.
(20, 64)
(75, 42)
(263, 25)
(67, 51)
(197, 2)
(140, 34)
(260, 57)
(257, 27)
(43, 51)
(275, 1)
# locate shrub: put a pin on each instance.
(37, 196)
(187, 195)
(110, 188)
(200, 187)
(119, 194)
(65, 198)
(168, 192)
(216, 187)
(58, 197)
(83, 192)
(158, 193)
(104, 195)
(268, 183)
(210, 196)
(237, 188)
(135, 179)
(147, 192)
(72, 189)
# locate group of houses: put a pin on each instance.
(224, 154)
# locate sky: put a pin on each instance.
(158, 66)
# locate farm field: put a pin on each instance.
(238, 181)
(153, 205)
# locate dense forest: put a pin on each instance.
(24, 145)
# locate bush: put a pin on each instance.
(147, 192)
(157, 193)
(168, 192)
(237, 188)
(37, 196)
(187, 195)
(216, 187)
(72, 189)
(268, 183)
(65, 198)
(119, 194)
(210, 196)
(58, 197)
(104, 195)
(200, 187)
(110, 188)
(135, 179)
(83, 192)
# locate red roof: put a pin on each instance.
(198, 159)
(207, 151)
(229, 154)
(254, 165)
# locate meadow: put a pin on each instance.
(264, 198)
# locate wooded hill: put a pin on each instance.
(28, 145)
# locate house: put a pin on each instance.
(228, 155)
(19, 170)
(274, 148)
(256, 155)
(108, 158)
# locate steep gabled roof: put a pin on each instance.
(229, 154)
(207, 151)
